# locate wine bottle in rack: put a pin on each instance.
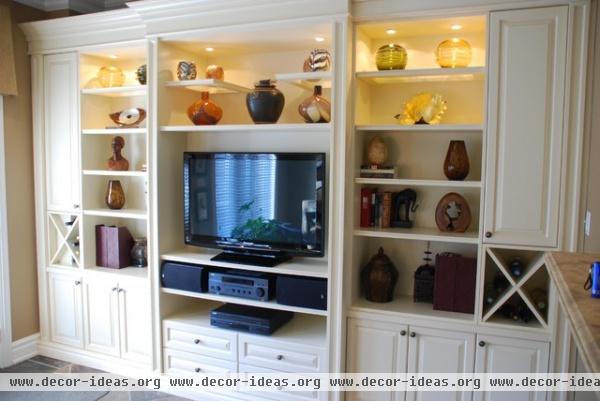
(524, 313)
(489, 294)
(500, 283)
(516, 267)
(540, 299)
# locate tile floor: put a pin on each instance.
(42, 364)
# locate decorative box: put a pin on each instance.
(454, 283)
(113, 246)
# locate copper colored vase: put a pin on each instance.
(379, 278)
(456, 165)
(205, 111)
(315, 109)
(115, 197)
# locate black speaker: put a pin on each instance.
(183, 276)
(307, 292)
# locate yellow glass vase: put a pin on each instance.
(391, 57)
(454, 53)
(111, 76)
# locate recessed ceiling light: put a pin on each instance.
(319, 39)
(209, 49)
(390, 31)
(113, 56)
(456, 27)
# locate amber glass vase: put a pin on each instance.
(456, 165)
(115, 197)
(391, 57)
(454, 53)
(205, 111)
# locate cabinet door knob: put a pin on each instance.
(75, 206)
(482, 343)
(403, 333)
(413, 334)
(197, 341)
(488, 234)
(198, 370)
(279, 357)
(77, 282)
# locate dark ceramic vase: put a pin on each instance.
(379, 278)
(265, 102)
(139, 253)
(456, 165)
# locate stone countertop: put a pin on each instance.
(569, 272)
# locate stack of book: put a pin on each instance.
(375, 208)
(377, 171)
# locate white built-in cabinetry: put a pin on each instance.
(65, 301)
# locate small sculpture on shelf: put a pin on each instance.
(318, 60)
(128, 118)
(391, 57)
(377, 152)
(453, 53)
(456, 164)
(424, 280)
(115, 197)
(111, 76)
(379, 278)
(141, 74)
(423, 108)
(404, 203)
(205, 111)
(186, 70)
(215, 72)
(316, 108)
(117, 162)
(452, 213)
(265, 103)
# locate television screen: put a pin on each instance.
(272, 200)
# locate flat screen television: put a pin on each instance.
(259, 208)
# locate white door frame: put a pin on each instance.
(5, 315)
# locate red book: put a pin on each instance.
(365, 206)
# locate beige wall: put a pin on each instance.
(20, 190)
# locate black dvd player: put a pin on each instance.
(249, 319)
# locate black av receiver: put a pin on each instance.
(242, 284)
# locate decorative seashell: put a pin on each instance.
(377, 151)
(129, 118)
(423, 108)
(318, 60)
(215, 72)
(186, 70)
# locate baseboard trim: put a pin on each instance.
(25, 348)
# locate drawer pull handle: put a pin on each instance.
(115, 288)
(279, 357)
(197, 341)
(121, 290)
(403, 333)
(482, 343)
(198, 370)
(413, 334)
(77, 282)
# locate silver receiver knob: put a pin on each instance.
(260, 292)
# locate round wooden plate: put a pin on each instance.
(452, 213)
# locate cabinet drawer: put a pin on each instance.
(309, 395)
(280, 356)
(200, 340)
(184, 363)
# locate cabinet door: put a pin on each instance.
(376, 347)
(102, 316)
(61, 131)
(66, 315)
(440, 351)
(135, 319)
(510, 355)
(525, 127)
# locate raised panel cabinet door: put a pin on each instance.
(376, 347)
(66, 314)
(61, 131)
(510, 355)
(440, 351)
(135, 318)
(527, 65)
(101, 316)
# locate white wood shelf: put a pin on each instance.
(117, 91)
(114, 131)
(302, 329)
(453, 128)
(112, 173)
(241, 301)
(418, 234)
(418, 183)
(302, 127)
(307, 80)
(131, 271)
(209, 85)
(422, 75)
(138, 214)
(403, 306)
(309, 267)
